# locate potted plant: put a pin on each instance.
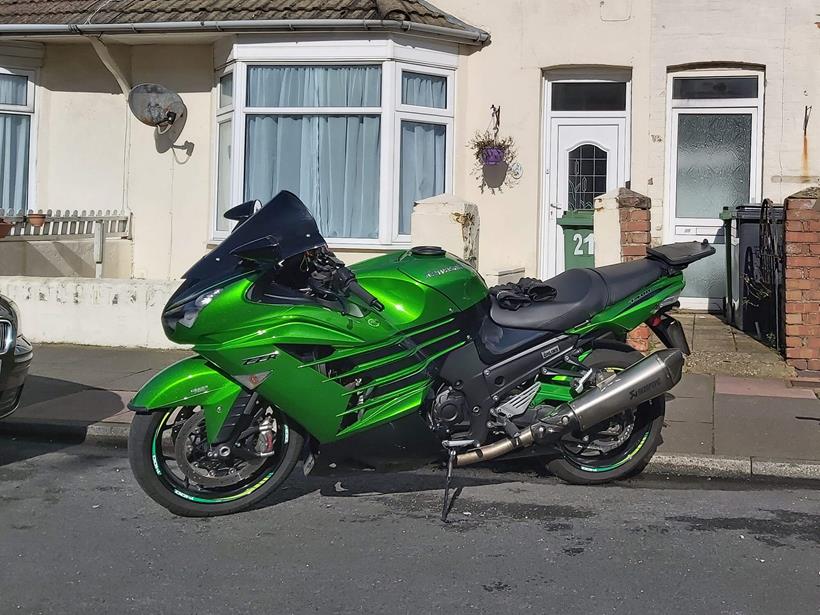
(5, 228)
(36, 219)
(493, 155)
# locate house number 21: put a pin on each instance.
(580, 240)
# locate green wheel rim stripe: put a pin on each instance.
(622, 461)
(194, 498)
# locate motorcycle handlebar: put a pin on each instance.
(344, 281)
(356, 289)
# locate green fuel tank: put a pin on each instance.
(421, 285)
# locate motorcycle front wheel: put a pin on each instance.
(620, 448)
(170, 459)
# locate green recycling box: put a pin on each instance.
(579, 240)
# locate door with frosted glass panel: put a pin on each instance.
(712, 167)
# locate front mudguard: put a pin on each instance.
(190, 382)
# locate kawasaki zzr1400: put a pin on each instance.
(398, 361)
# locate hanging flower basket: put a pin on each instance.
(5, 228)
(36, 220)
(494, 155)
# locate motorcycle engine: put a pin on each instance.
(449, 412)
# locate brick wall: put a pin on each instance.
(803, 280)
(635, 219)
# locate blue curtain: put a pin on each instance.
(223, 174)
(314, 86)
(422, 166)
(14, 148)
(423, 90)
(330, 161)
(13, 89)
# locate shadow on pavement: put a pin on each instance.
(14, 449)
(56, 413)
(40, 389)
(366, 483)
(50, 399)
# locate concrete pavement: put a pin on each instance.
(718, 348)
(717, 426)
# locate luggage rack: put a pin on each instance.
(681, 254)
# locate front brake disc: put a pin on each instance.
(191, 450)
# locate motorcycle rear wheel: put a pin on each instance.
(155, 464)
(632, 455)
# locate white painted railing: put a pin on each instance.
(75, 224)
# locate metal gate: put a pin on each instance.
(763, 296)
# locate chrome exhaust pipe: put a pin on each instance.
(649, 378)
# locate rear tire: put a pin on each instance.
(153, 479)
(630, 458)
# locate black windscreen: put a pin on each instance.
(285, 221)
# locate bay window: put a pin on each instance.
(224, 147)
(16, 111)
(359, 141)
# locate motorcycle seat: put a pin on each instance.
(580, 294)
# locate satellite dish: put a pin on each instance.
(156, 105)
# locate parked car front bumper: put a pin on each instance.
(14, 366)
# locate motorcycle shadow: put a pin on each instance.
(369, 483)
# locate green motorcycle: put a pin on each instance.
(399, 361)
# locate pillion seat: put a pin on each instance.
(580, 294)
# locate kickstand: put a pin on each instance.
(447, 504)
(451, 446)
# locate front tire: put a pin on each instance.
(150, 451)
(630, 457)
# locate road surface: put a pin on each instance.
(79, 537)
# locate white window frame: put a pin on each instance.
(676, 107)
(394, 55)
(708, 228)
(222, 115)
(404, 67)
(427, 115)
(28, 109)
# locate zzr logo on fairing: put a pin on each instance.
(261, 358)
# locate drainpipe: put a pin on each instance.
(119, 75)
(110, 63)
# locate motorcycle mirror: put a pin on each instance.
(264, 250)
(243, 211)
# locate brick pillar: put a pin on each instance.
(803, 280)
(635, 218)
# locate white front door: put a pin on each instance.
(714, 159)
(586, 158)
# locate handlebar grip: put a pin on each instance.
(355, 288)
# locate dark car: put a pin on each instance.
(15, 357)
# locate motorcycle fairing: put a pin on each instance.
(190, 382)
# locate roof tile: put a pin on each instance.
(144, 11)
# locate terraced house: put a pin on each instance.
(365, 107)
